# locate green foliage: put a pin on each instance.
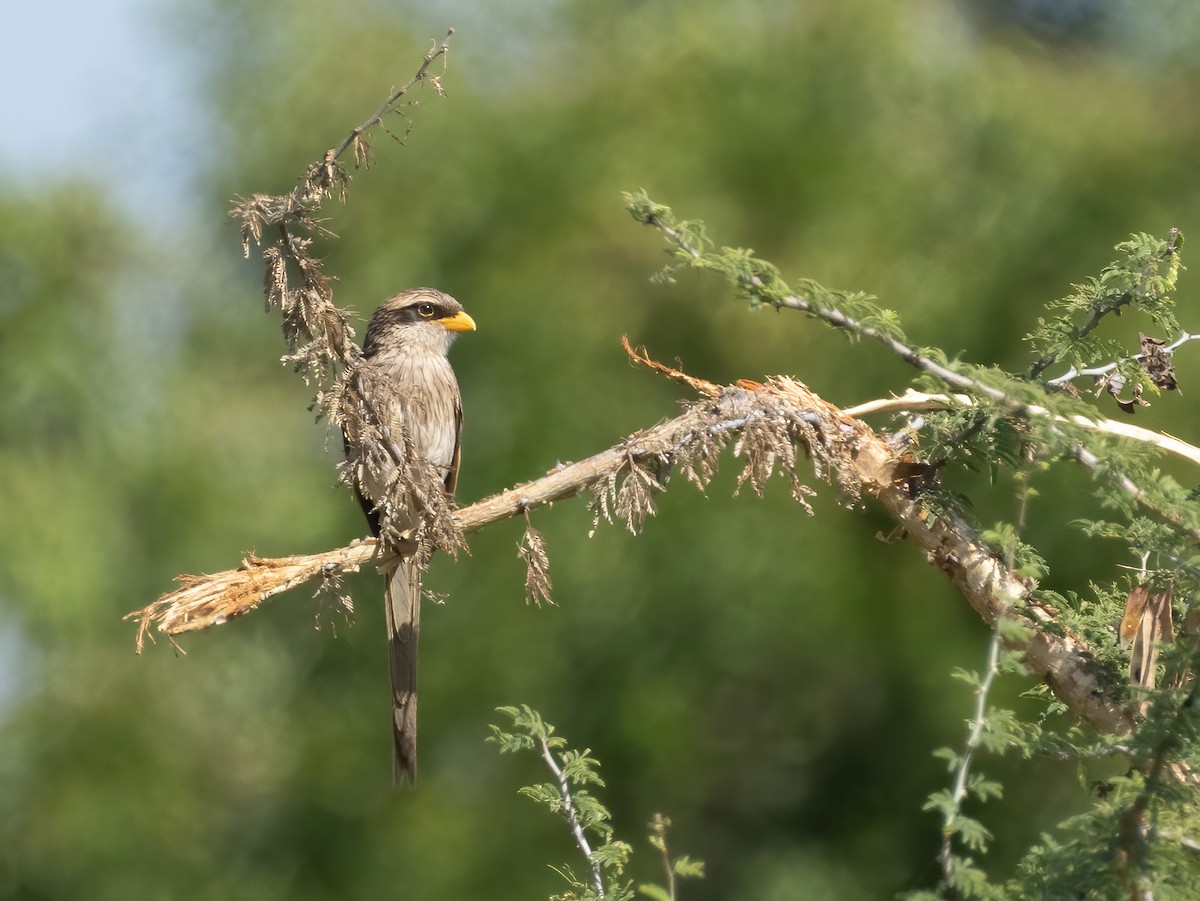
(781, 678)
(682, 867)
(1013, 422)
(1022, 557)
(585, 815)
(1143, 280)
(759, 282)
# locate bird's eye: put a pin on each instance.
(426, 310)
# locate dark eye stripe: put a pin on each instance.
(384, 319)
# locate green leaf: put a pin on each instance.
(941, 801)
(656, 892)
(971, 832)
(687, 868)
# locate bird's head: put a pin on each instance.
(420, 317)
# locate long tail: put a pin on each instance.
(404, 627)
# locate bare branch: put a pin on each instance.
(389, 105)
(917, 401)
(1100, 371)
(841, 447)
(210, 600)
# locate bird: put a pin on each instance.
(402, 409)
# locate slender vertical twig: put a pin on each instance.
(564, 789)
(963, 770)
(958, 793)
(659, 839)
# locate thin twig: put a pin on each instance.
(564, 789)
(660, 825)
(979, 721)
(318, 333)
(1098, 371)
(959, 793)
(840, 320)
(422, 73)
(920, 401)
(1100, 311)
(1083, 331)
(915, 358)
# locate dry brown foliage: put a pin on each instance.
(317, 332)
(532, 551)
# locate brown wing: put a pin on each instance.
(452, 475)
(360, 403)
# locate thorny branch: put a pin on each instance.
(1099, 371)
(355, 136)
(766, 424)
(833, 317)
(1113, 305)
(914, 401)
(648, 213)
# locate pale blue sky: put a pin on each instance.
(106, 89)
(96, 89)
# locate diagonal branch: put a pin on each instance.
(317, 332)
(842, 448)
(762, 283)
(659, 217)
(1112, 301)
(422, 73)
(915, 401)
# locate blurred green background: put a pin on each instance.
(774, 683)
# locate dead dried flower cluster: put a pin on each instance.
(318, 333)
(532, 551)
